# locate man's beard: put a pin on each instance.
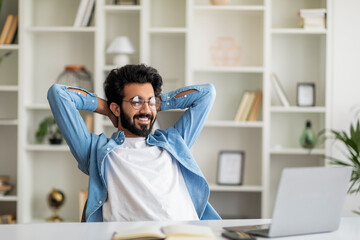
(143, 131)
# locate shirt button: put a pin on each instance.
(121, 140)
(100, 202)
(185, 96)
(108, 149)
(167, 103)
(100, 174)
(79, 93)
(168, 97)
(93, 100)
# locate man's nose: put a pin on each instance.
(145, 108)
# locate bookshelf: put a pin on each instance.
(174, 36)
(9, 113)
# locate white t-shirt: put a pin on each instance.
(145, 183)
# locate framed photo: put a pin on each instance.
(305, 94)
(230, 168)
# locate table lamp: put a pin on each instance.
(121, 46)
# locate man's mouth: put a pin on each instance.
(143, 119)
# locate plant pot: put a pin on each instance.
(55, 141)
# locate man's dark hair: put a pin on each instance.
(119, 77)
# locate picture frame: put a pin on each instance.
(230, 169)
(305, 94)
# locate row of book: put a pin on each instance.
(312, 18)
(8, 219)
(84, 13)
(249, 106)
(9, 31)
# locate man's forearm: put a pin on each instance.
(102, 106)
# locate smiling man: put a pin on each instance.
(136, 175)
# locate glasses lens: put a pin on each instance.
(137, 102)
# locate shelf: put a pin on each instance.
(4, 88)
(8, 122)
(297, 151)
(231, 69)
(38, 106)
(230, 8)
(298, 31)
(9, 47)
(223, 188)
(298, 109)
(167, 30)
(61, 29)
(235, 124)
(8, 198)
(112, 8)
(47, 148)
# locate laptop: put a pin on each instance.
(309, 200)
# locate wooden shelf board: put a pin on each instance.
(62, 29)
(167, 31)
(297, 151)
(227, 188)
(38, 106)
(297, 31)
(8, 122)
(230, 69)
(235, 124)
(8, 198)
(229, 8)
(124, 8)
(9, 47)
(47, 148)
(4, 88)
(296, 109)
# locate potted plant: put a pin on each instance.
(48, 128)
(352, 145)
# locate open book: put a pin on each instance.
(178, 231)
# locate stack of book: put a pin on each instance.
(312, 18)
(9, 31)
(5, 186)
(249, 107)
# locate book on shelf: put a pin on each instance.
(248, 106)
(84, 13)
(312, 18)
(242, 105)
(6, 28)
(11, 35)
(280, 91)
(89, 12)
(177, 231)
(253, 115)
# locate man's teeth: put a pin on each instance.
(143, 119)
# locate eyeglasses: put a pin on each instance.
(138, 102)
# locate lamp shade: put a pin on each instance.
(121, 45)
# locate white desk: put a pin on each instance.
(349, 230)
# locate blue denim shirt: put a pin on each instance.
(90, 149)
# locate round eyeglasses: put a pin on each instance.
(138, 102)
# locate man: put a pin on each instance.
(135, 175)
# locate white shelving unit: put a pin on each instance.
(9, 117)
(174, 36)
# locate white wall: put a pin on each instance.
(346, 73)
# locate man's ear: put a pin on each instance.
(115, 108)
